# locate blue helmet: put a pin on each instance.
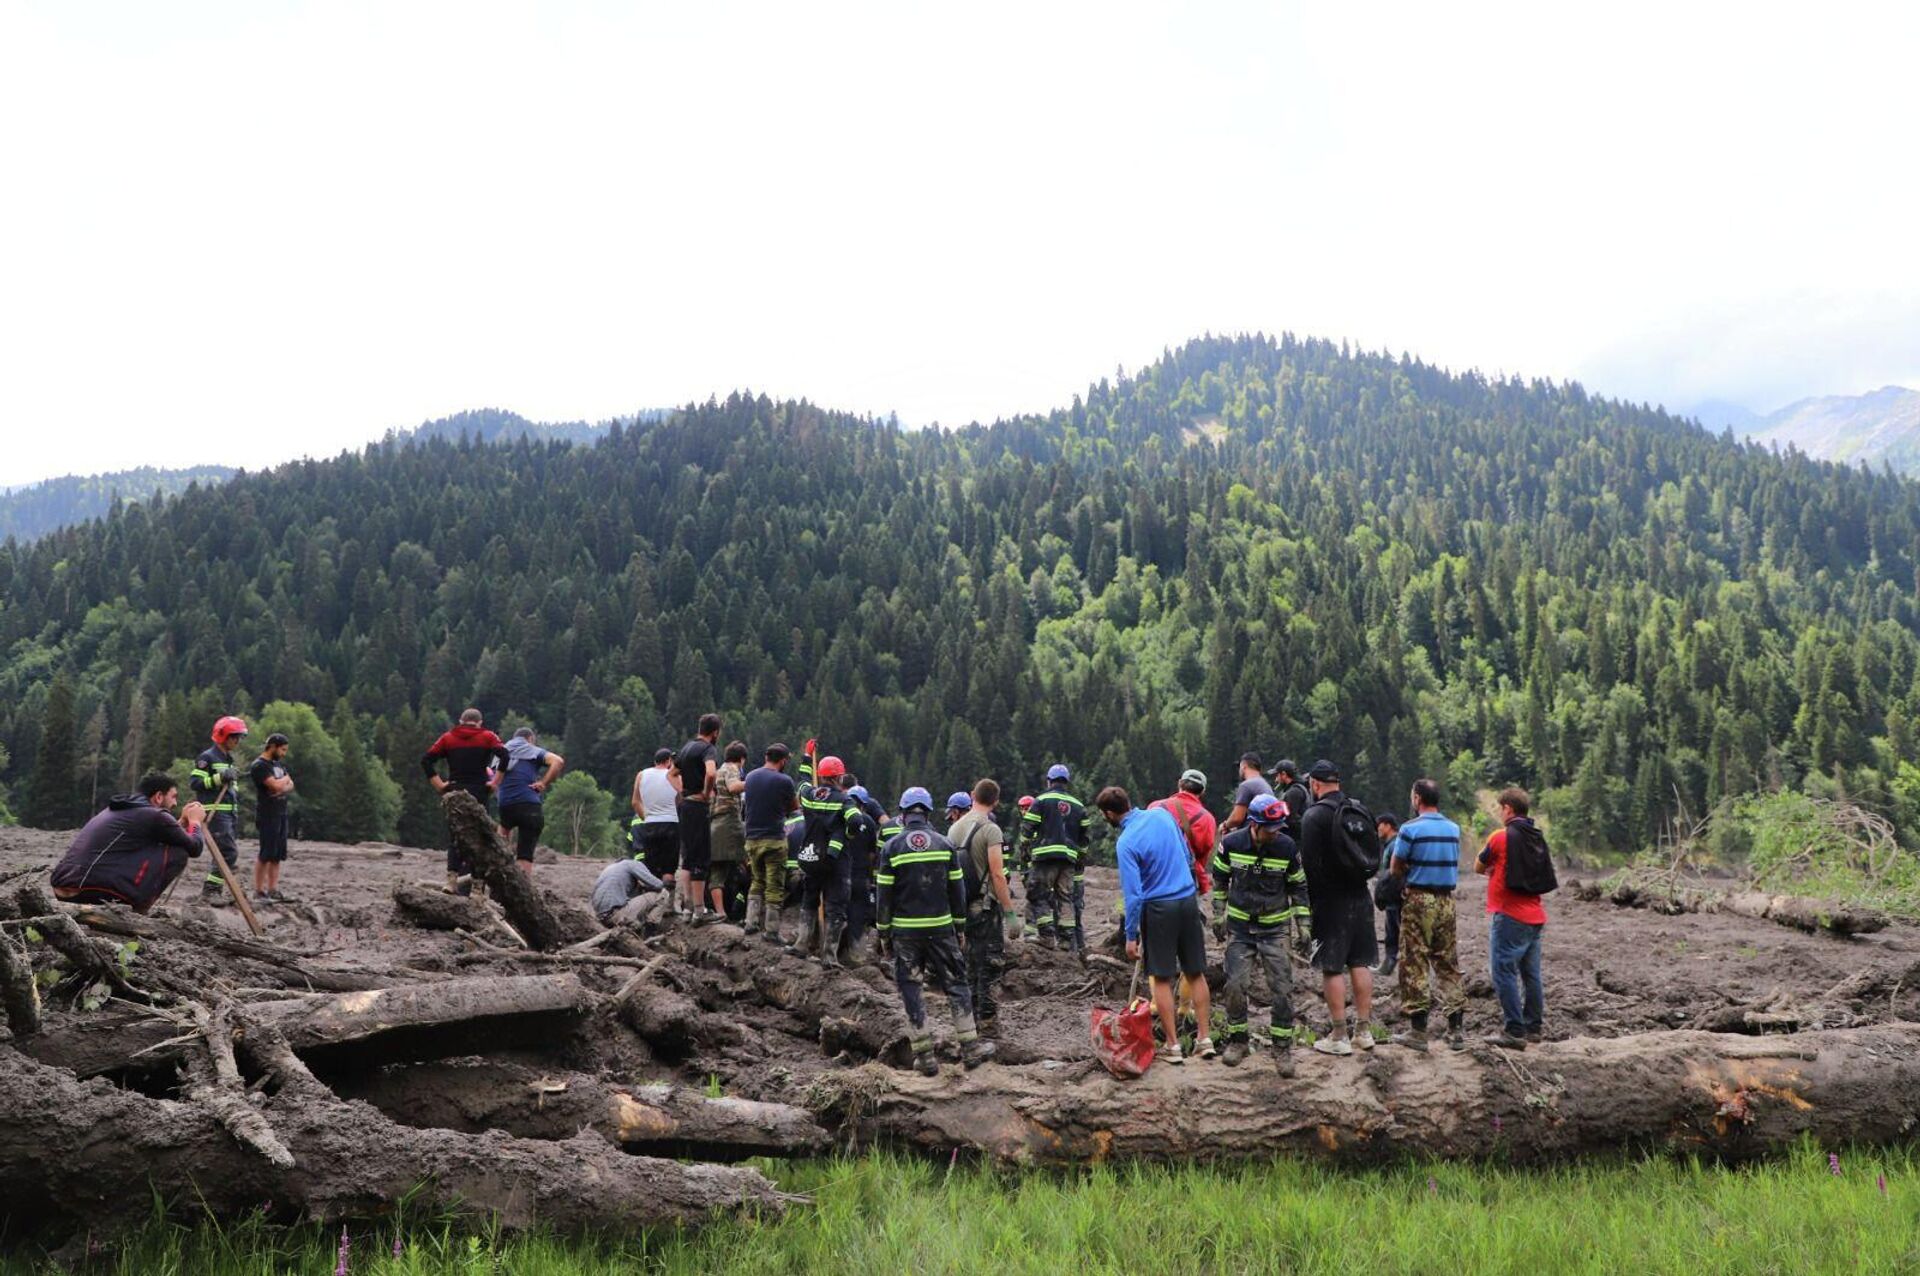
(960, 801)
(1058, 771)
(1266, 810)
(859, 794)
(916, 797)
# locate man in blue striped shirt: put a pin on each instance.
(1426, 857)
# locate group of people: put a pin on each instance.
(1304, 868)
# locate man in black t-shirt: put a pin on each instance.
(698, 763)
(271, 785)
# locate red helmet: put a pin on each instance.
(227, 728)
(830, 768)
(1026, 802)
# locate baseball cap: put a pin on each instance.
(1323, 771)
(1194, 777)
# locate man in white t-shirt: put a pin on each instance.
(656, 795)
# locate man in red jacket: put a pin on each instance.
(468, 749)
(1197, 826)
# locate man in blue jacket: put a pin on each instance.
(1164, 928)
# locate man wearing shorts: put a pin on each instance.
(1164, 929)
(524, 781)
(698, 764)
(1344, 945)
(271, 784)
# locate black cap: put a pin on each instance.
(1286, 766)
(1323, 771)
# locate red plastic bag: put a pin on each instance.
(1123, 1039)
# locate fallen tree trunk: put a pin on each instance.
(1728, 1096)
(1801, 913)
(479, 839)
(848, 1013)
(19, 997)
(78, 1153)
(659, 1120)
(431, 908)
(292, 964)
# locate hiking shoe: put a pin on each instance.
(1506, 1040)
(704, 918)
(276, 896)
(1283, 1060)
(1235, 1053)
(1332, 1045)
(1534, 1038)
(974, 1053)
(1204, 1048)
(1388, 966)
(261, 899)
(1170, 1054)
(1412, 1039)
(1363, 1035)
(925, 1064)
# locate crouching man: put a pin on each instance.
(132, 851)
(620, 893)
(922, 907)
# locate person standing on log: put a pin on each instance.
(524, 781)
(922, 907)
(271, 785)
(769, 797)
(1265, 888)
(990, 916)
(1189, 811)
(1516, 923)
(656, 802)
(833, 822)
(215, 785)
(864, 848)
(1388, 892)
(1164, 930)
(1292, 790)
(131, 852)
(698, 763)
(468, 749)
(726, 833)
(1023, 859)
(1344, 945)
(1426, 858)
(1056, 836)
(1252, 785)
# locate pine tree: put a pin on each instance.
(53, 797)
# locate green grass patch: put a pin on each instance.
(893, 1214)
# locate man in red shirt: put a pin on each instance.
(1197, 825)
(1516, 924)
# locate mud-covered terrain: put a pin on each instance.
(502, 1068)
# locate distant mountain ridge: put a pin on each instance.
(34, 509)
(1883, 425)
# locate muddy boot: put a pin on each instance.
(1283, 1060)
(976, 1052)
(803, 944)
(213, 891)
(1388, 966)
(1506, 1040)
(1049, 938)
(756, 912)
(855, 955)
(1415, 1037)
(830, 951)
(453, 882)
(924, 1063)
(1235, 1053)
(1456, 1038)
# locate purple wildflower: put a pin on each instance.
(1881, 1182)
(1833, 1164)
(346, 1248)
(1433, 1186)
(397, 1247)
(1496, 1123)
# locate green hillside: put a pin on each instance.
(39, 508)
(1279, 544)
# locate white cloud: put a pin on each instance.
(245, 231)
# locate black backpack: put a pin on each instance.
(1529, 866)
(1356, 839)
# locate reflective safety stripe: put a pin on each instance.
(924, 923)
(921, 857)
(884, 879)
(1280, 1034)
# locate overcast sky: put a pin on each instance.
(244, 231)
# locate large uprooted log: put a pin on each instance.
(88, 1154)
(1718, 1095)
(544, 924)
(660, 1120)
(1673, 896)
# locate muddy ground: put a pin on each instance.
(1609, 971)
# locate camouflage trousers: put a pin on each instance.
(1429, 953)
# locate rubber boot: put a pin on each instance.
(1388, 966)
(756, 912)
(1456, 1038)
(1049, 938)
(1283, 1059)
(803, 944)
(976, 1052)
(830, 951)
(1235, 1053)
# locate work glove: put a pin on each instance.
(1013, 928)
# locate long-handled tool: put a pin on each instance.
(220, 862)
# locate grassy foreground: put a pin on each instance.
(888, 1214)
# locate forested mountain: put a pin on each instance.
(39, 508)
(1278, 544)
(494, 425)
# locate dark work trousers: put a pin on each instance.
(859, 902)
(986, 957)
(830, 881)
(936, 953)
